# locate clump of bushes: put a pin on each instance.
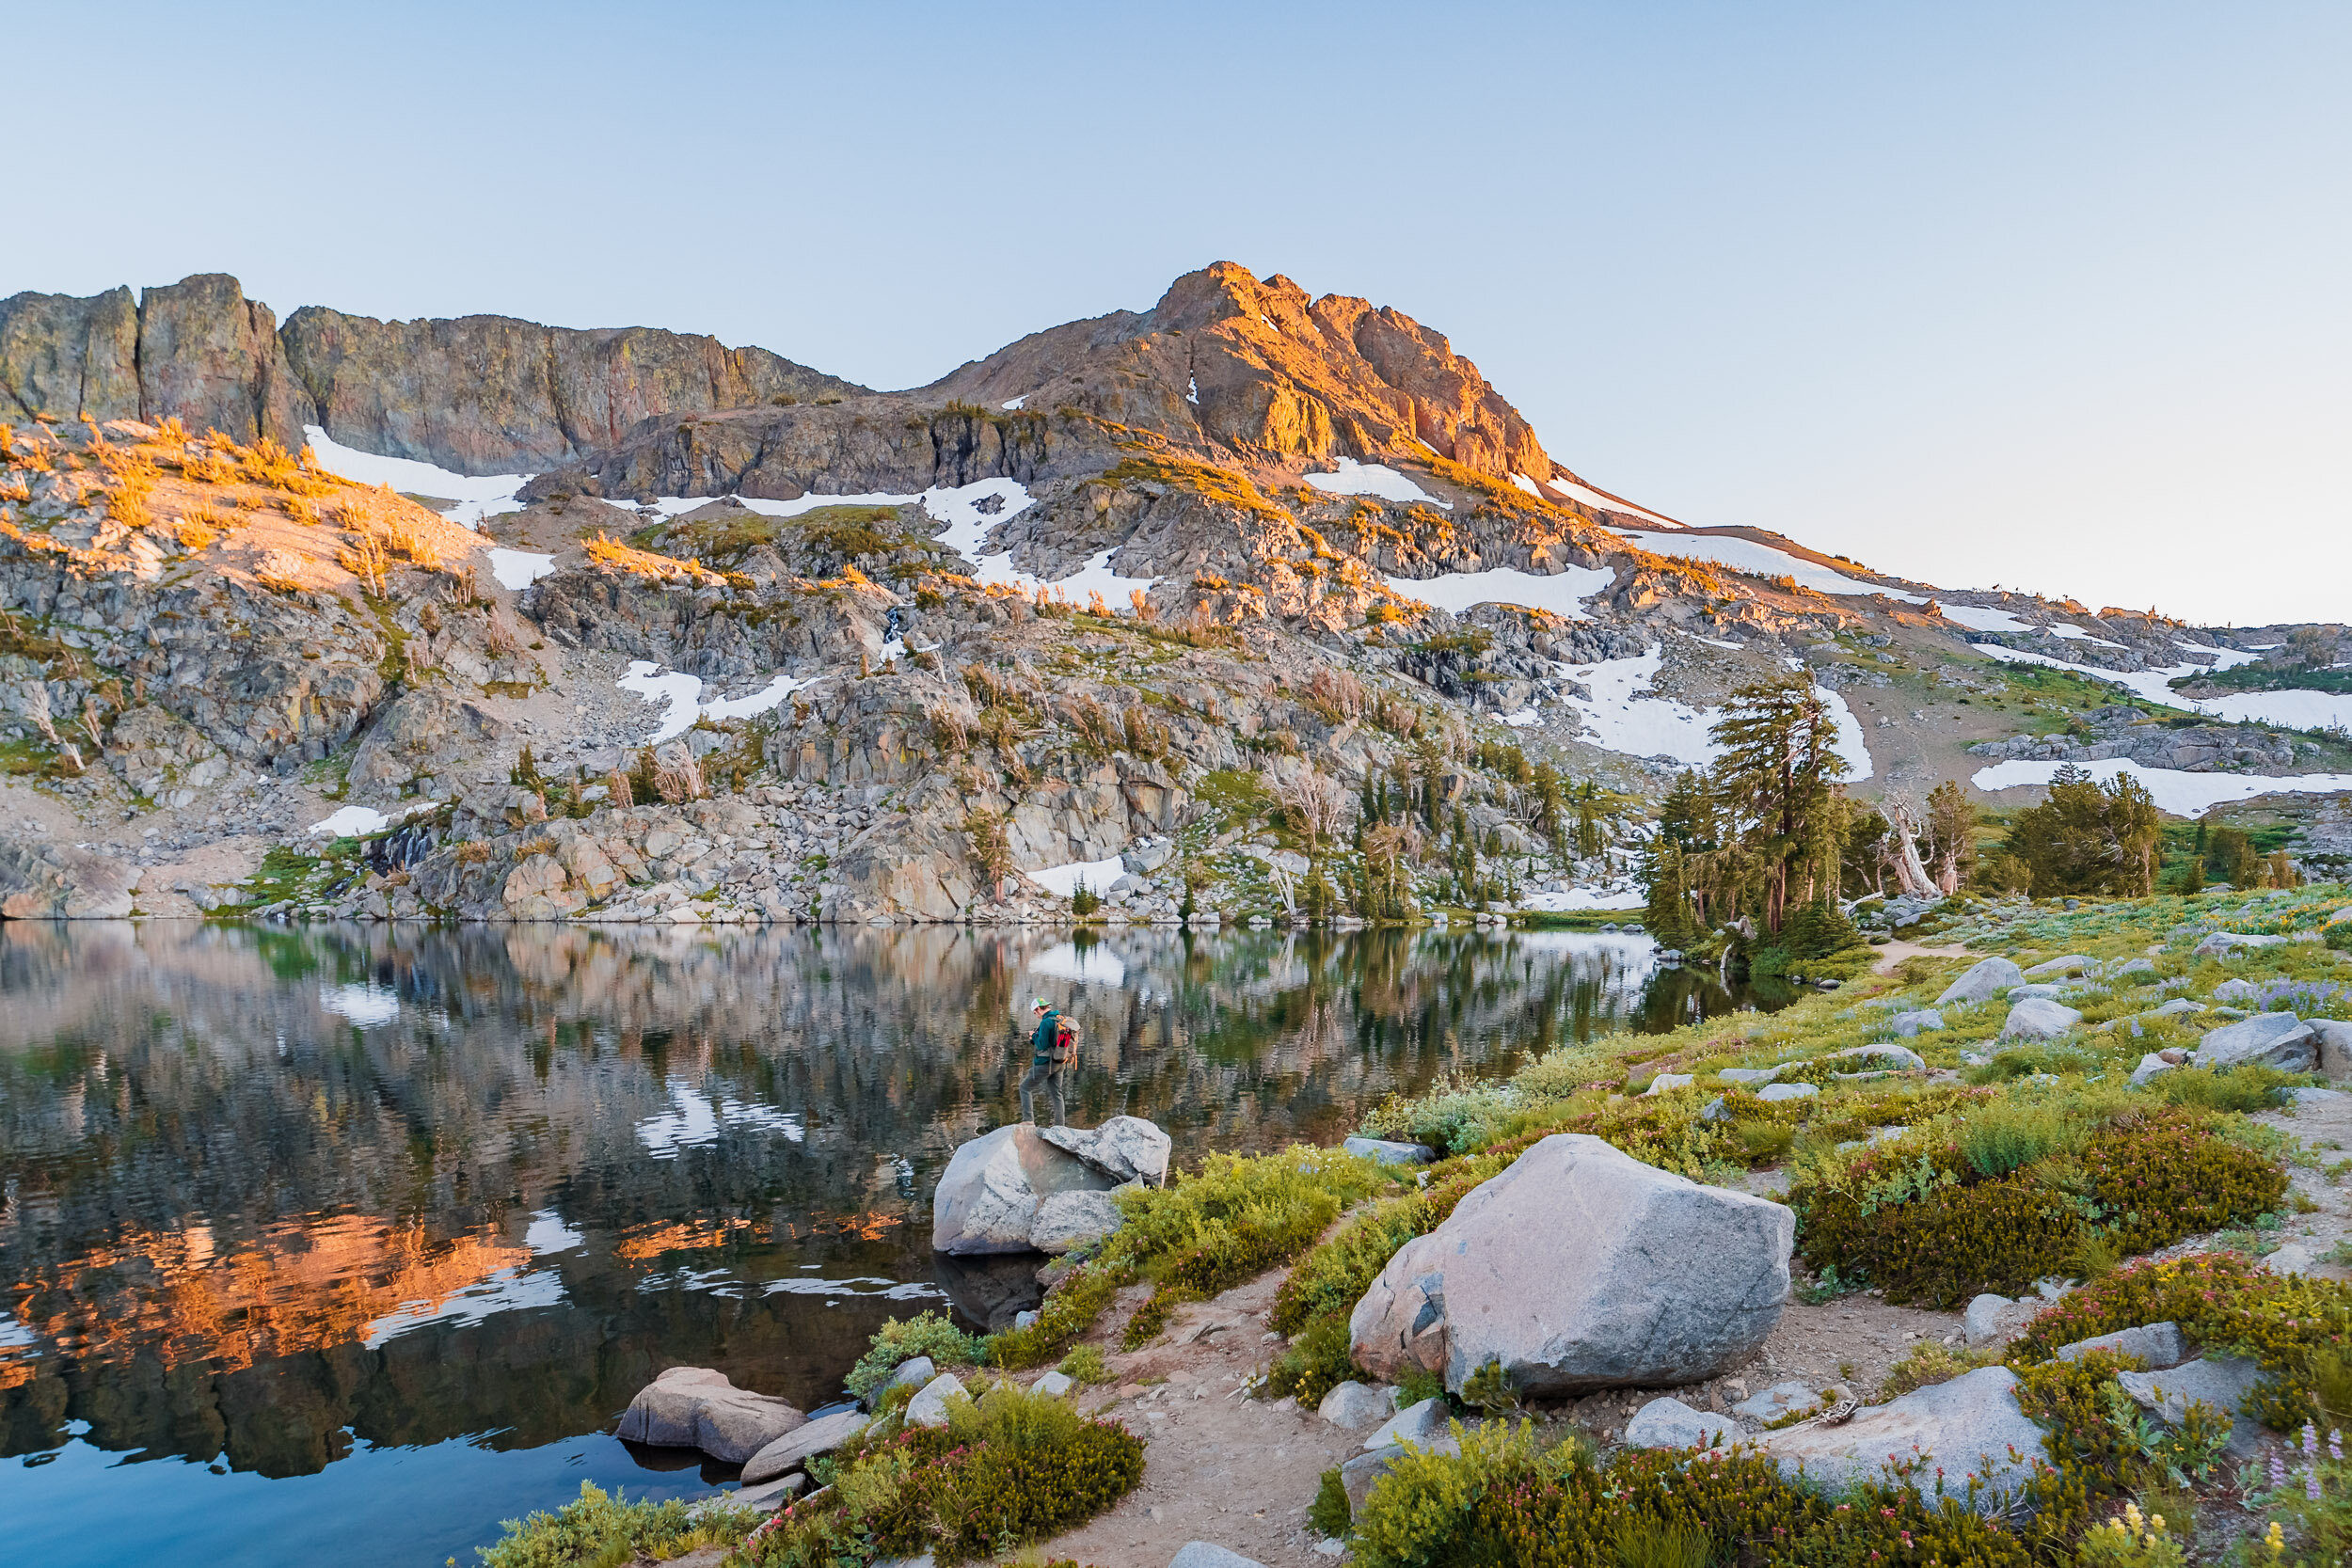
(1230, 1221)
(605, 1527)
(1941, 1221)
(1009, 1468)
(927, 1334)
(1504, 1500)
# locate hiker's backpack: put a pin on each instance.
(1064, 1041)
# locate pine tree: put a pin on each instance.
(2089, 838)
(1777, 772)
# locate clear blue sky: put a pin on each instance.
(2047, 296)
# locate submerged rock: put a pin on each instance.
(1580, 1268)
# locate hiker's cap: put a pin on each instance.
(1039, 1004)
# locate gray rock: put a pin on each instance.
(694, 1407)
(1717, 1109)
(1899, 1058)
(2220, 943)
(2278, 1040)
(1057, 1384)
(1579, 1267)
(1068, 1220)
(2039, 1019)
(2149, 1065)
(1389, 1151)
(767, 1497)
(1125, 1149)
(2178, 1006)
(803, 1443)
(2158, 1345)
(2334, 1038)
(1968, 1426)
(2220, 1381)
(918, 1371)
(1992, 1321)
(1666, 1083)
(1356, 1406)
(2290, 1256)
(1200, 1554)
(2067, 965)
(987, 1200)
(1787, 1091)
(929, 1407)
(1983, 983)
(2137, 966)
(2316, 1096)
(1752, 1074)
(1915, 1022)
(2235, 990)
(1418, 1424)
(1777, 1401)
(1669, 1423)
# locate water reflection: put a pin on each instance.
(269, 1198)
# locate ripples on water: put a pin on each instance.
(344, 1244)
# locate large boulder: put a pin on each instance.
(2278, 1040)
(2334, 1038)
(694, 1407)
(2039, 1019)
(989, 1196)
(1069, 1220)
(1911, 1023)
(2221, 1381)
(1990, 978)
(1971, 1426)
(1580, 1268)
(1125, 1149)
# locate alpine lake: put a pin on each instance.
(344, 1244)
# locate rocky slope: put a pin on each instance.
(1160, 601)
(479, 395)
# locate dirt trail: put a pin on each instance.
(1893, 953)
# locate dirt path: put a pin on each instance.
(1893, 953)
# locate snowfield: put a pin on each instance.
(2300, 711)
(1562, 594)
(1592, 498)
(1746, 555)
(477, 498)
(682, 692)
(1352, 477)
(1062, 880)
(1982, 618)
(520, 568)
(1622, 714)
(2182, 794)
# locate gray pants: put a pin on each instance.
(1045, 1075)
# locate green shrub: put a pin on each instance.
(1932, 1361)
(604, 1528)
(2339, 937)
(1328, 1513)
(1069, 1310)
(1009, 1467)
(1318, 1359)
(1910, 1221)
(2009, 1134)
(2240, 1089)
(926, 1333)
(1085, 1364)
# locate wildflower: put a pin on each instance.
(2311, 1486)
(2278, 1471)
(2335, 1443)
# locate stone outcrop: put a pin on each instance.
(2220, 1383)
(480, 394)
(2279, 1040)
(1581, 1268)
(1125, 1149)
(1669, 1423)
(1984, 980)
(796, 1448)
(1013, 1191)
(1969, 1427)
(694, 1407)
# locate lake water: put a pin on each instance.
(343, 1244)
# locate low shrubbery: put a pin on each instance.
(1503, 1499)
(926, 1333)
(1230, 1221)
(1007, 1469)
(605, 1527)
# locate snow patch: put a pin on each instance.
(2073, 633)
(1620, 715)
(1526, 717)
(1563, 592)
(520, 568)
(353, 822)
(1352, 477)
(477, 496)
(2301, 710)
(2177, 791)
(1527, 484)
(1850, 743)
(366, 1005)
(1746, 555)
(1977, 617)
(683, 693)
(1062, 880)
(1015, 402)
(1584, 899)
(1592, 498)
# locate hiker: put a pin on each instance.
(1050, 1045)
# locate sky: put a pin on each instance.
(2048, 296)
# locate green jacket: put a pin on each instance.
(1042, 1042)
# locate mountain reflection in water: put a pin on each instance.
(270, 1198)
